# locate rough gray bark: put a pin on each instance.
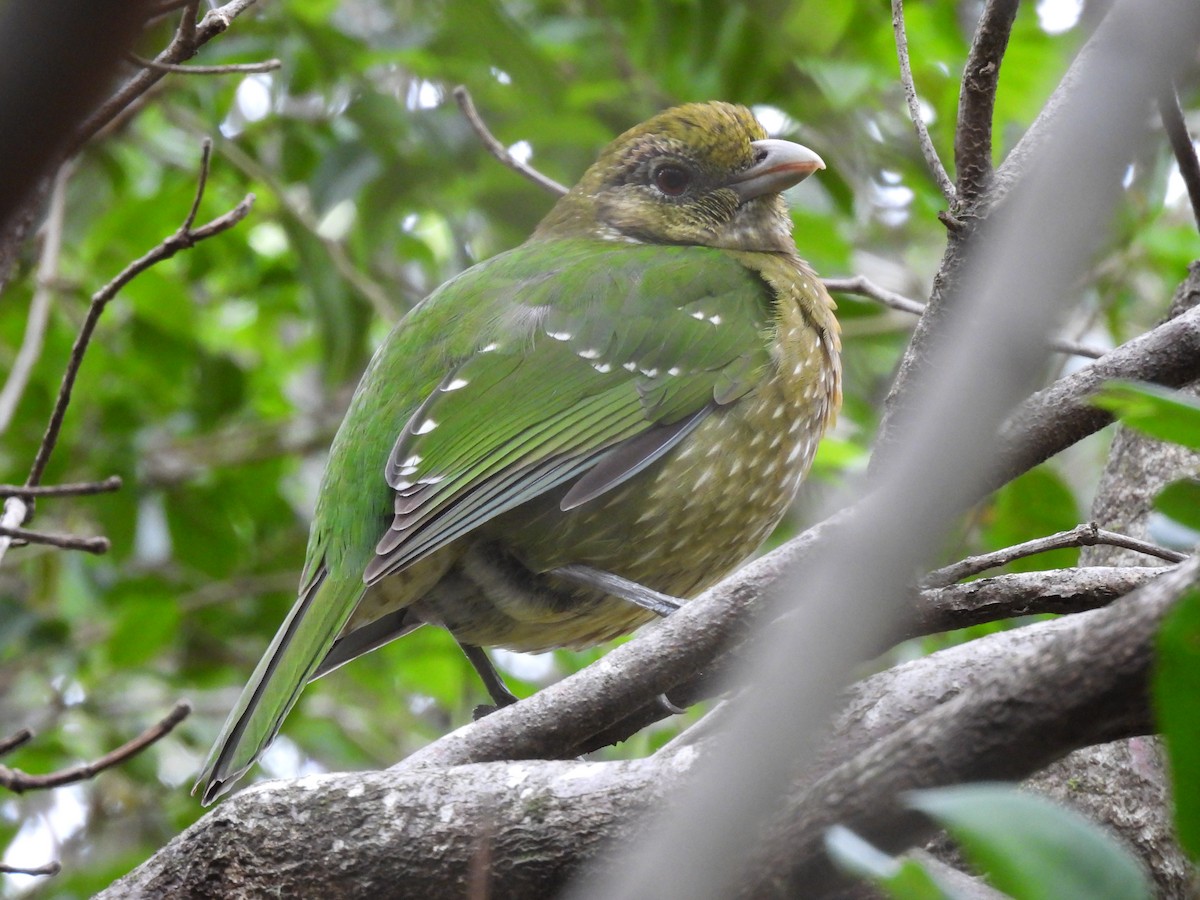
(497, 830)
(1124, 785)
(1000, 706)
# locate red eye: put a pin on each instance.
(672, 180)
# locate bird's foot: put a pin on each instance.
(492, 680)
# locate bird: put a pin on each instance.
(577, 434)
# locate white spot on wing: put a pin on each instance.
(455, 385)
(425, 427)
(560, 335)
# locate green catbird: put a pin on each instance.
(629, 398)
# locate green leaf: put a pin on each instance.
(1181, 501)
(1031, 848)
(1176, 689)
(1157, 411)
(903, 879)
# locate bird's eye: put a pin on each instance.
(672, 180)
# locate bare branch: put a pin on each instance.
(1087, 535)
(50, 868)
(97, 545)
(188, 39)
(914, 107)
(39, 306)
(74, 489)
(1062, 414)
(938, 712)
(19, 782)
(1010, 596)
(1088, 685)
(1074, 348)
(13, 741)
(1182, 146)
(183, 239)
(269, 65)
(977, 100)
(463, 97)
(377, 296)
(865, 287)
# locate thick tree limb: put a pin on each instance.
(406, 834)
(1088, 685)
(1062, 414)
(413, 833)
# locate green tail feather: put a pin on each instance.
(301, 643)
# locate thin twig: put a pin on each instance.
(19, 782)
(463, 97)
(39, 306)
(13, 741)
(1181, 145)
(377, 296)
(1086, 535)
(268, 65)
(1074, 348)
(97, 545)
(188, 39)
(184, 238)
(50, 868)
(72, 489)
(865, 287)
(914, 107)
(977, 99)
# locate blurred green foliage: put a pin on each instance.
(215, 380)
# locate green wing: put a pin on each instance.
(557, 360)
(610, 357)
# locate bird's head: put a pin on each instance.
(704, 173)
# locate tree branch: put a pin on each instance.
(463, 97)
(1087, 535)
(1078, 679)
(914, 107)
(1181, 146)
(1018, 594)
(182, 239)
(96, 545)
(1063, 414)
(188, 39)
(977, 100)
(865, 287)
(77, 489)
(269, 65)
(19, 782)
(1089, 684)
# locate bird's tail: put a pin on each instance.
(303, 640)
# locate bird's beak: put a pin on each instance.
(778, 165)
